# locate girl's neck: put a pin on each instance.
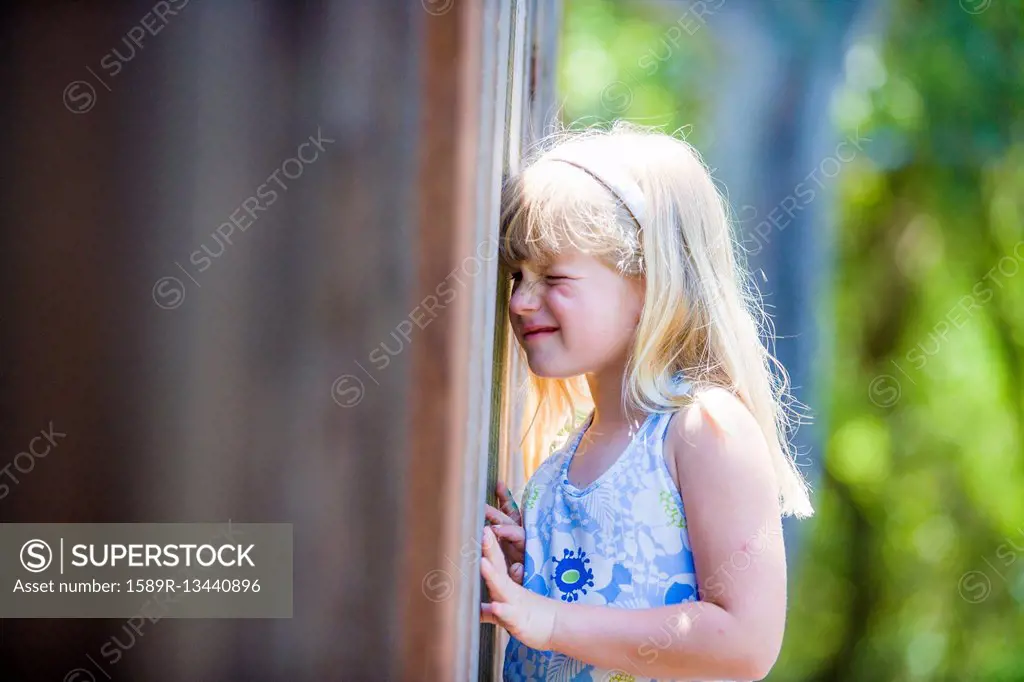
(606, 390)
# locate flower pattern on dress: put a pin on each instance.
(620, 542)
(674, 516)
(572, 575)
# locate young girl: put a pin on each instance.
(650, 545)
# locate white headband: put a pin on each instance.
(622, 187)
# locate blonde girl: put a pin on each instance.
(649, 546)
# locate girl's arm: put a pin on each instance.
(734, 525)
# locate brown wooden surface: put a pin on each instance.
(220, 408)
(439, 396)
(225, 406)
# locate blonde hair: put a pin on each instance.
(701, 314)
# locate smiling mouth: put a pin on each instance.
(540, 333)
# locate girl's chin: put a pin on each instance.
(549, 370)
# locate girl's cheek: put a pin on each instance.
(558, 302)
(568, 313)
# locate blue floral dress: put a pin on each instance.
(620, 542)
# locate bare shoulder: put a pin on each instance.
(733, 516)
(717, 441)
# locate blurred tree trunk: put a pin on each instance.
(781, 63)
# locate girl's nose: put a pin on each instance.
(525, 299)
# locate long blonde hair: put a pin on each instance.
(701, 314)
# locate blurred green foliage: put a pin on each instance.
(913, 567)
(620, 60)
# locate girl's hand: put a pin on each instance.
(509, 529)
(527, 616)
(508, 503)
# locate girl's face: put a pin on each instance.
(576, 316)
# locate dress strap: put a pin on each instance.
(680, 386)
(661, 426)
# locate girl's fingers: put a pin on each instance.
(507, 502)
(494, 579)
(516, 573)
(490, 576)
(491, 549)
(510, 533)
(513, 542)
(491, 559)
(489, 613)
(497, 517)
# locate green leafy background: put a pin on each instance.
(913, 567)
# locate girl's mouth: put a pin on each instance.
(539, 333)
